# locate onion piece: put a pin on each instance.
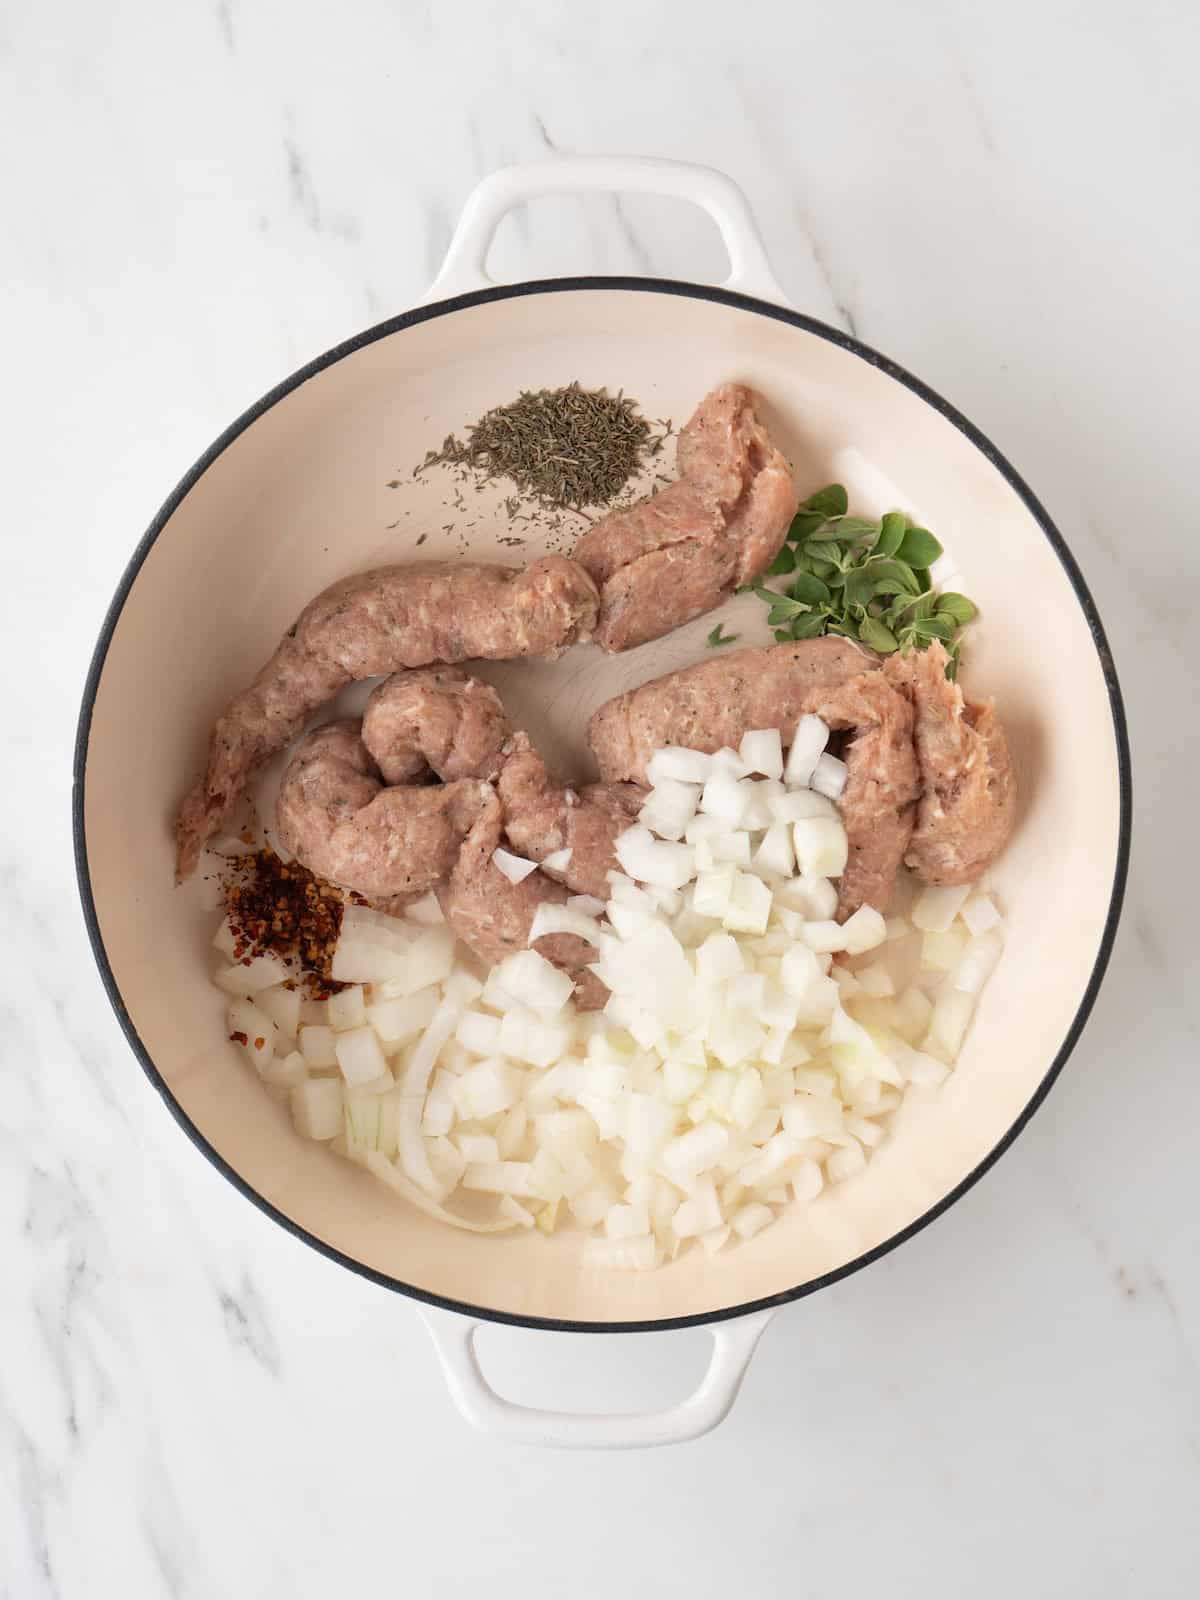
(808, 742)
(515, 868)
(752, 1219)
(980, 914)
(557, 860)
(685, 766)
(551, 918)
(820, 846)
(935, 908)
(390, 1174)
(248, 977)
(978, 963)
(724, 797)
(359, 1056)
(316, 1106)
(829, 777)
(414, 1159)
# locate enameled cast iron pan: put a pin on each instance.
(296, 494)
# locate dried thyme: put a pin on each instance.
(565, 448)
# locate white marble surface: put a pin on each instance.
(196, 197)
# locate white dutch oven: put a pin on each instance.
(296, 494)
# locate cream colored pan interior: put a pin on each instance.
(301, 497)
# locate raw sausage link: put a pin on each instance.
(969, 791)
(494, 916)
(679, 553)
(542, 816)
(337, 818)
(371, 624)
(712, 704)
(435, 719)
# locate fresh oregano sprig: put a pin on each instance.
(864, 580)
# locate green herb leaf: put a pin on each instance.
(830, 501)
(864, 580)
(891, 534)
(785, 561)
(810, 626)
(919, 548)
(878, 576)
(878, 636)
(805, 524)
(933, 628)
(923, 606)
(850, 529)
(810, 589)
(783, 635)
(717, 637)
(957, 606)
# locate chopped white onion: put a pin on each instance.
(808, 741)
(820, 846)
(977, 963)
(684, 766)
(669, 807)
(752, 1219)
(724, 797)
(360, 1056)
(935, 909)
(397, 1021)
(552, 918)
(248, 977)
(652, 860)
(762, 751)
(829, 777)
(515, 868)
(346, 1009)
(733, 1069)
(316, 1046)
(980, 914)
(317, 1108)
(952, 1011)
(863, 931)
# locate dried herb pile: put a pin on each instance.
(565, 448)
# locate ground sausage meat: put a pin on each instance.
(371, 624)
(542, 816)
(969, 794)
(439, 720)
(338, 820)
(712, 704)
(494, 916)
(680, 552)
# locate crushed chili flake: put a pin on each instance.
(283, 908)
(239, 1037)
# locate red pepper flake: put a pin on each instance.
(239, 1038)
(258, 1043)
(282, 908)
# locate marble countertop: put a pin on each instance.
(198, 197)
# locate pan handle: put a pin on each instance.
(733, 1344)
(465, 266)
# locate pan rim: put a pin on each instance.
(623, 284)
